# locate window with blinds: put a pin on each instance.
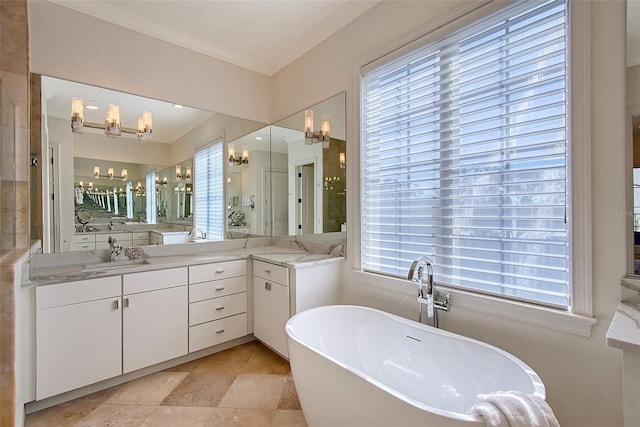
(464, 157)
(150, 194)
(209, 190)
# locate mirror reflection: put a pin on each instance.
(309, 170)
(124, 173)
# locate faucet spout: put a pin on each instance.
(425, 287)
(115, 248)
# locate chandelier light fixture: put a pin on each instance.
(112, 126)
(322, 135)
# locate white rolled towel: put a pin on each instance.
(514, 409)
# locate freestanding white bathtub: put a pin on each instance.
(358, 366)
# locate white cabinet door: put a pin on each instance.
(77, 345)
(154, 327)
(270, 313)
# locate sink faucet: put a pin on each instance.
(116, 249)
(425, 290)
(193, 233)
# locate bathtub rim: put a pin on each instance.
(539, 391)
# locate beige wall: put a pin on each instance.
(582, 375)
(140, 65)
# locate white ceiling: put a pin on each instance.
(261, 35)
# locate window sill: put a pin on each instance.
(545, 317)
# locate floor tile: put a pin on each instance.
(254, 391)
(289, 419)
(99, 396)
(174, 416)
(63, 415)
(149, 390)
(265, 361)
(199, 389)
(289, 397)
(234, 417)
(185, 367)
(116, 416)
(229, 362)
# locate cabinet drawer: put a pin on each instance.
(217, 288)
(75, 292)
(89, 246)
(152, 280)
(218, 270)
(216, 332)
(104, 237)
(276, 273)
(140, 235)
(83, 238)
(217, 308)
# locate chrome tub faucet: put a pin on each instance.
(427, 297)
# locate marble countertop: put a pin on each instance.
(624, 330)
(88, 265)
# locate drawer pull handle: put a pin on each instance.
(220, 288)
(267, 286)
(268, 271)
(220, 271)
(127, 303)
(219, 331)
(116, 304)
(220, 308)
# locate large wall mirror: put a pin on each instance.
(125, 179)
(279, 182)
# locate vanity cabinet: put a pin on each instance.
(83, 242)
(78, 334)
(217, 303)
(271, 304)
(126, 240)
(279, 292)
(154, 317)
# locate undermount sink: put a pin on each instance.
(115, 264)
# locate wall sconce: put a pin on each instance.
(112, 125)
(81, 184)
(164, 181)
(77, 114)
(237, 161)
(90, 184)
(312, 136)
(145, 126)
(179, 175)
(96, 174)
(112, 122)
(343, 160)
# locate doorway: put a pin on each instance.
(305, 198)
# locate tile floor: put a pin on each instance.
(248, 385)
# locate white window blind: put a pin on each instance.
(209, 190)
(150, 183)
(464, 157)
